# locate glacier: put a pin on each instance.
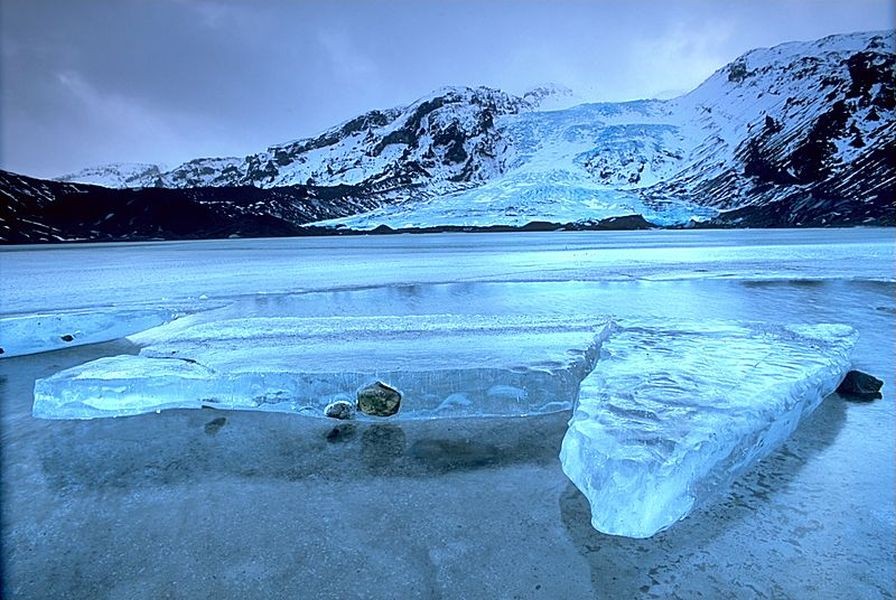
(741, 148)
(553, 161)
(672, 414)
(443, 365)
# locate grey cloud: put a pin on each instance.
(99, 81)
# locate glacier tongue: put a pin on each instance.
(671, 415)
(444, 365)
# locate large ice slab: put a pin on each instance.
(33, 333)
(672, 414)
(444, 365)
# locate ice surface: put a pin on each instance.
(32, 333)
(177, 274)
(120, 385)
(672, 414)
(521, 198)
(444, 365)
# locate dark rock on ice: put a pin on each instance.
(67, 337)
(860, 385)
(379, 400)
(340, 409)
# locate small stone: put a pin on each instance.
(340, 409)
(379, 400)
(67, 337)
(859, 384)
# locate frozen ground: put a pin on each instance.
(204, 503)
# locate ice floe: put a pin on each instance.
(672, 414)
(444, 365)
(33, 333)
(666, 414)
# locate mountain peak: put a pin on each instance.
(803, 122)
(117, 175)
(551, 96)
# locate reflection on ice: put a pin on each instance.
(672, 414)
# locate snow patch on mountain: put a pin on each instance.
(117, 175)
(552, 96)
(803, 127)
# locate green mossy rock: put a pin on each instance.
(379, 400)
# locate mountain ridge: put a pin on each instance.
(796, 134)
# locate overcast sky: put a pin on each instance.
(88, 82)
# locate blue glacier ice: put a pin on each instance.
(42, 332)
(666, 413)
(444, 365)
(672, 414)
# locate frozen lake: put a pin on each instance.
(179, 273)
(203, 503)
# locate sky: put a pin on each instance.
(88, 82)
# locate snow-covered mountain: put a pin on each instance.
(802, 133)
(449, 136)
(117, 175)
(36, 210)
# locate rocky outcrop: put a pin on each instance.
(340, 409)
(860, 385)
